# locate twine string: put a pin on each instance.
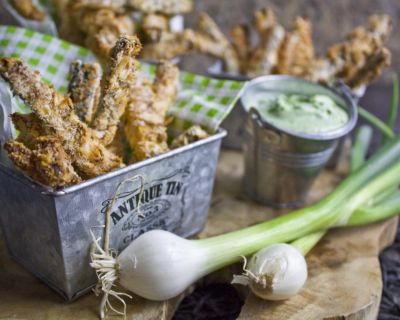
(103, 259)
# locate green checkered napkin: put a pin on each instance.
(201, 100)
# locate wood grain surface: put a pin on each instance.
(344, 282)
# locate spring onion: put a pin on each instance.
(376, 122)
(279, 271)
(160, 265)
(276, 272)
(394, 104)
(381, 211)
(360, 147)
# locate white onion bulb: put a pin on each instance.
(160, 265)
(276, 272)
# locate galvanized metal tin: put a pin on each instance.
(48, 231)
(281, 165)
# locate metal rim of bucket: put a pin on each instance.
(342, 91)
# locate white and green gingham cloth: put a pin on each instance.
(201, 100)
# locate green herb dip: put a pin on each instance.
(303, 114)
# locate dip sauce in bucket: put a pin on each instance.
(292, 129)
(300, 113)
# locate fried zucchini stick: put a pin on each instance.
(28, 10)
(84, 88)
(145, 118)
(55, 111)
(271, 34)
(101, 23)
(193, 134)
(344, 60)
(371, 70)
(66, 26)
(46, 163)
(154, 25)
(171, 44)
(118, 145)
(30, 128)
(240, 35)
(296, 53)
(214, 42)
(116, 87)
(167, 7)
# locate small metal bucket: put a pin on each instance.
(281, 165)
(48, 231)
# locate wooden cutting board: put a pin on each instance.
(344, 274)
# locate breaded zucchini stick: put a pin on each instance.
(154, 25)
(240, 35)
(116, 5)
(372, 69)
(379, 27)
(30, 128)
(118, 145)
(145, 117)
(167, 7)
(66, 26)
(46, 163)
(55, 111)
(102, 29)
(28, 10)
(344, 60)
(170, 45)
(205, 44)
(101, 23)
(296, 53)
(215, 38)
(271, 34)
(116, 87)
(84, 88)
(193, 134)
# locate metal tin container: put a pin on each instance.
(281, 165)
(48, 231)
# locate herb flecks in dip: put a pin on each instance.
(303, 114)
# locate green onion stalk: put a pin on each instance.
(386, 131)
(394, 105)
(380, 172)
(361, 144)
(388, 208)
